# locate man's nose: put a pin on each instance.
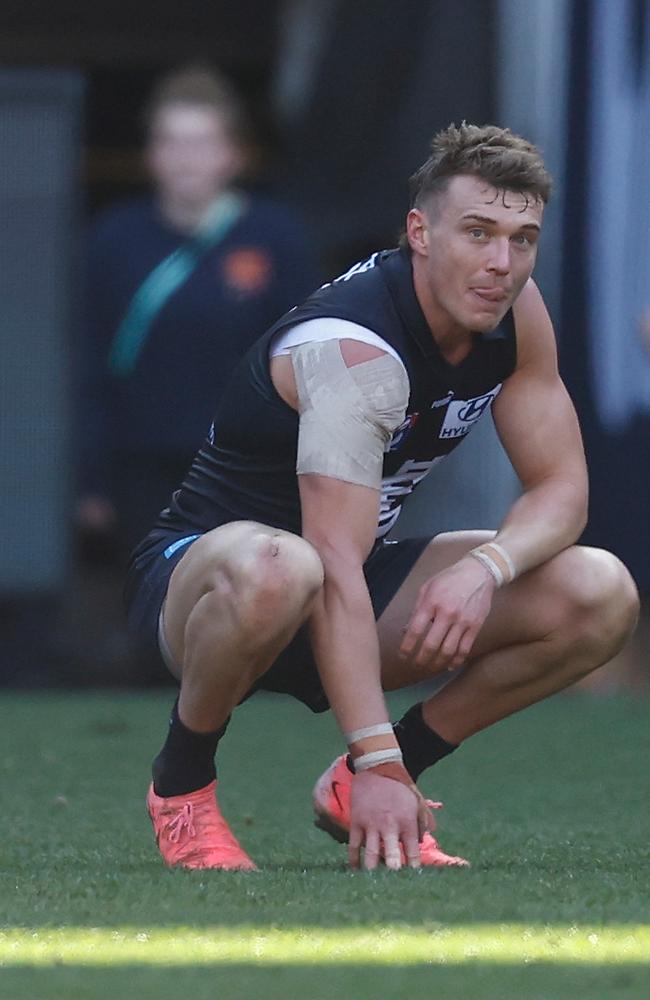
(500, 256)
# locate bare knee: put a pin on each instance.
(599, 596)
(280, 569)
(270, 584)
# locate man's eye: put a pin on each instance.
(522, 240)
(476, 233)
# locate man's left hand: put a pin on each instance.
(449, 613)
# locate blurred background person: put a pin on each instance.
(179, 283)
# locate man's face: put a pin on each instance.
(190, 153)
(476, 251)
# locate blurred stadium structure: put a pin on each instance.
(40, 117)
(345, 97)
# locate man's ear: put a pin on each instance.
(417, 231)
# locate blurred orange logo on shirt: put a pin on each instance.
(248, 270)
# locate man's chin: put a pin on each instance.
(487, 322)
(483, 325)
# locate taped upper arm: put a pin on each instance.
(348, 409)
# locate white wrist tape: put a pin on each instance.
(368, 760)
(507, 558)
(381, 729)
(490, 566)
(497, 562)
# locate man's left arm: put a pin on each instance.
(538, 427)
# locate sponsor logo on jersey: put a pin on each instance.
(463, 414)
(401, 433)
(437, 403)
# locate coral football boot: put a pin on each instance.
(331, 798)
(191, 832)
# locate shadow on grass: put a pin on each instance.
(535, 981)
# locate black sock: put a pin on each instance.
(186, 761)
(421, 746)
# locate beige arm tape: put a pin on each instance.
(347, 415)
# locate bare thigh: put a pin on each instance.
(531, 608)
(218, 561)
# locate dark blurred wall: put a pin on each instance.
(40, 117)
(387, 75)
(604, 357)
(39, 131)
(124, 33)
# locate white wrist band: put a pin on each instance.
(368, 760)
(507, 558)
(490, 566)
(381, 729)
(497, 561)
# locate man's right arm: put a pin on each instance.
(345, 422)
(340, 519)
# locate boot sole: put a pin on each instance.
(323, 822)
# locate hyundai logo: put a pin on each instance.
(475, 408)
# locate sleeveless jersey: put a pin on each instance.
(246, 469)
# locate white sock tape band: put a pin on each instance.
(381, 729)
(368, 760)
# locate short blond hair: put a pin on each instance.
(496, 155)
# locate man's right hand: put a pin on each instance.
(384, 814)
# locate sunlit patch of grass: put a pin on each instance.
(382, 945)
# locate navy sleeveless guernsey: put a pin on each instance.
(246, 469)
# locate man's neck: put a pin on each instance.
(185, 215)
(453, 340)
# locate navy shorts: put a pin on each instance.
(294, 672)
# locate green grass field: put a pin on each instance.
(551, 807)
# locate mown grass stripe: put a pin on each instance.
(384, 945)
